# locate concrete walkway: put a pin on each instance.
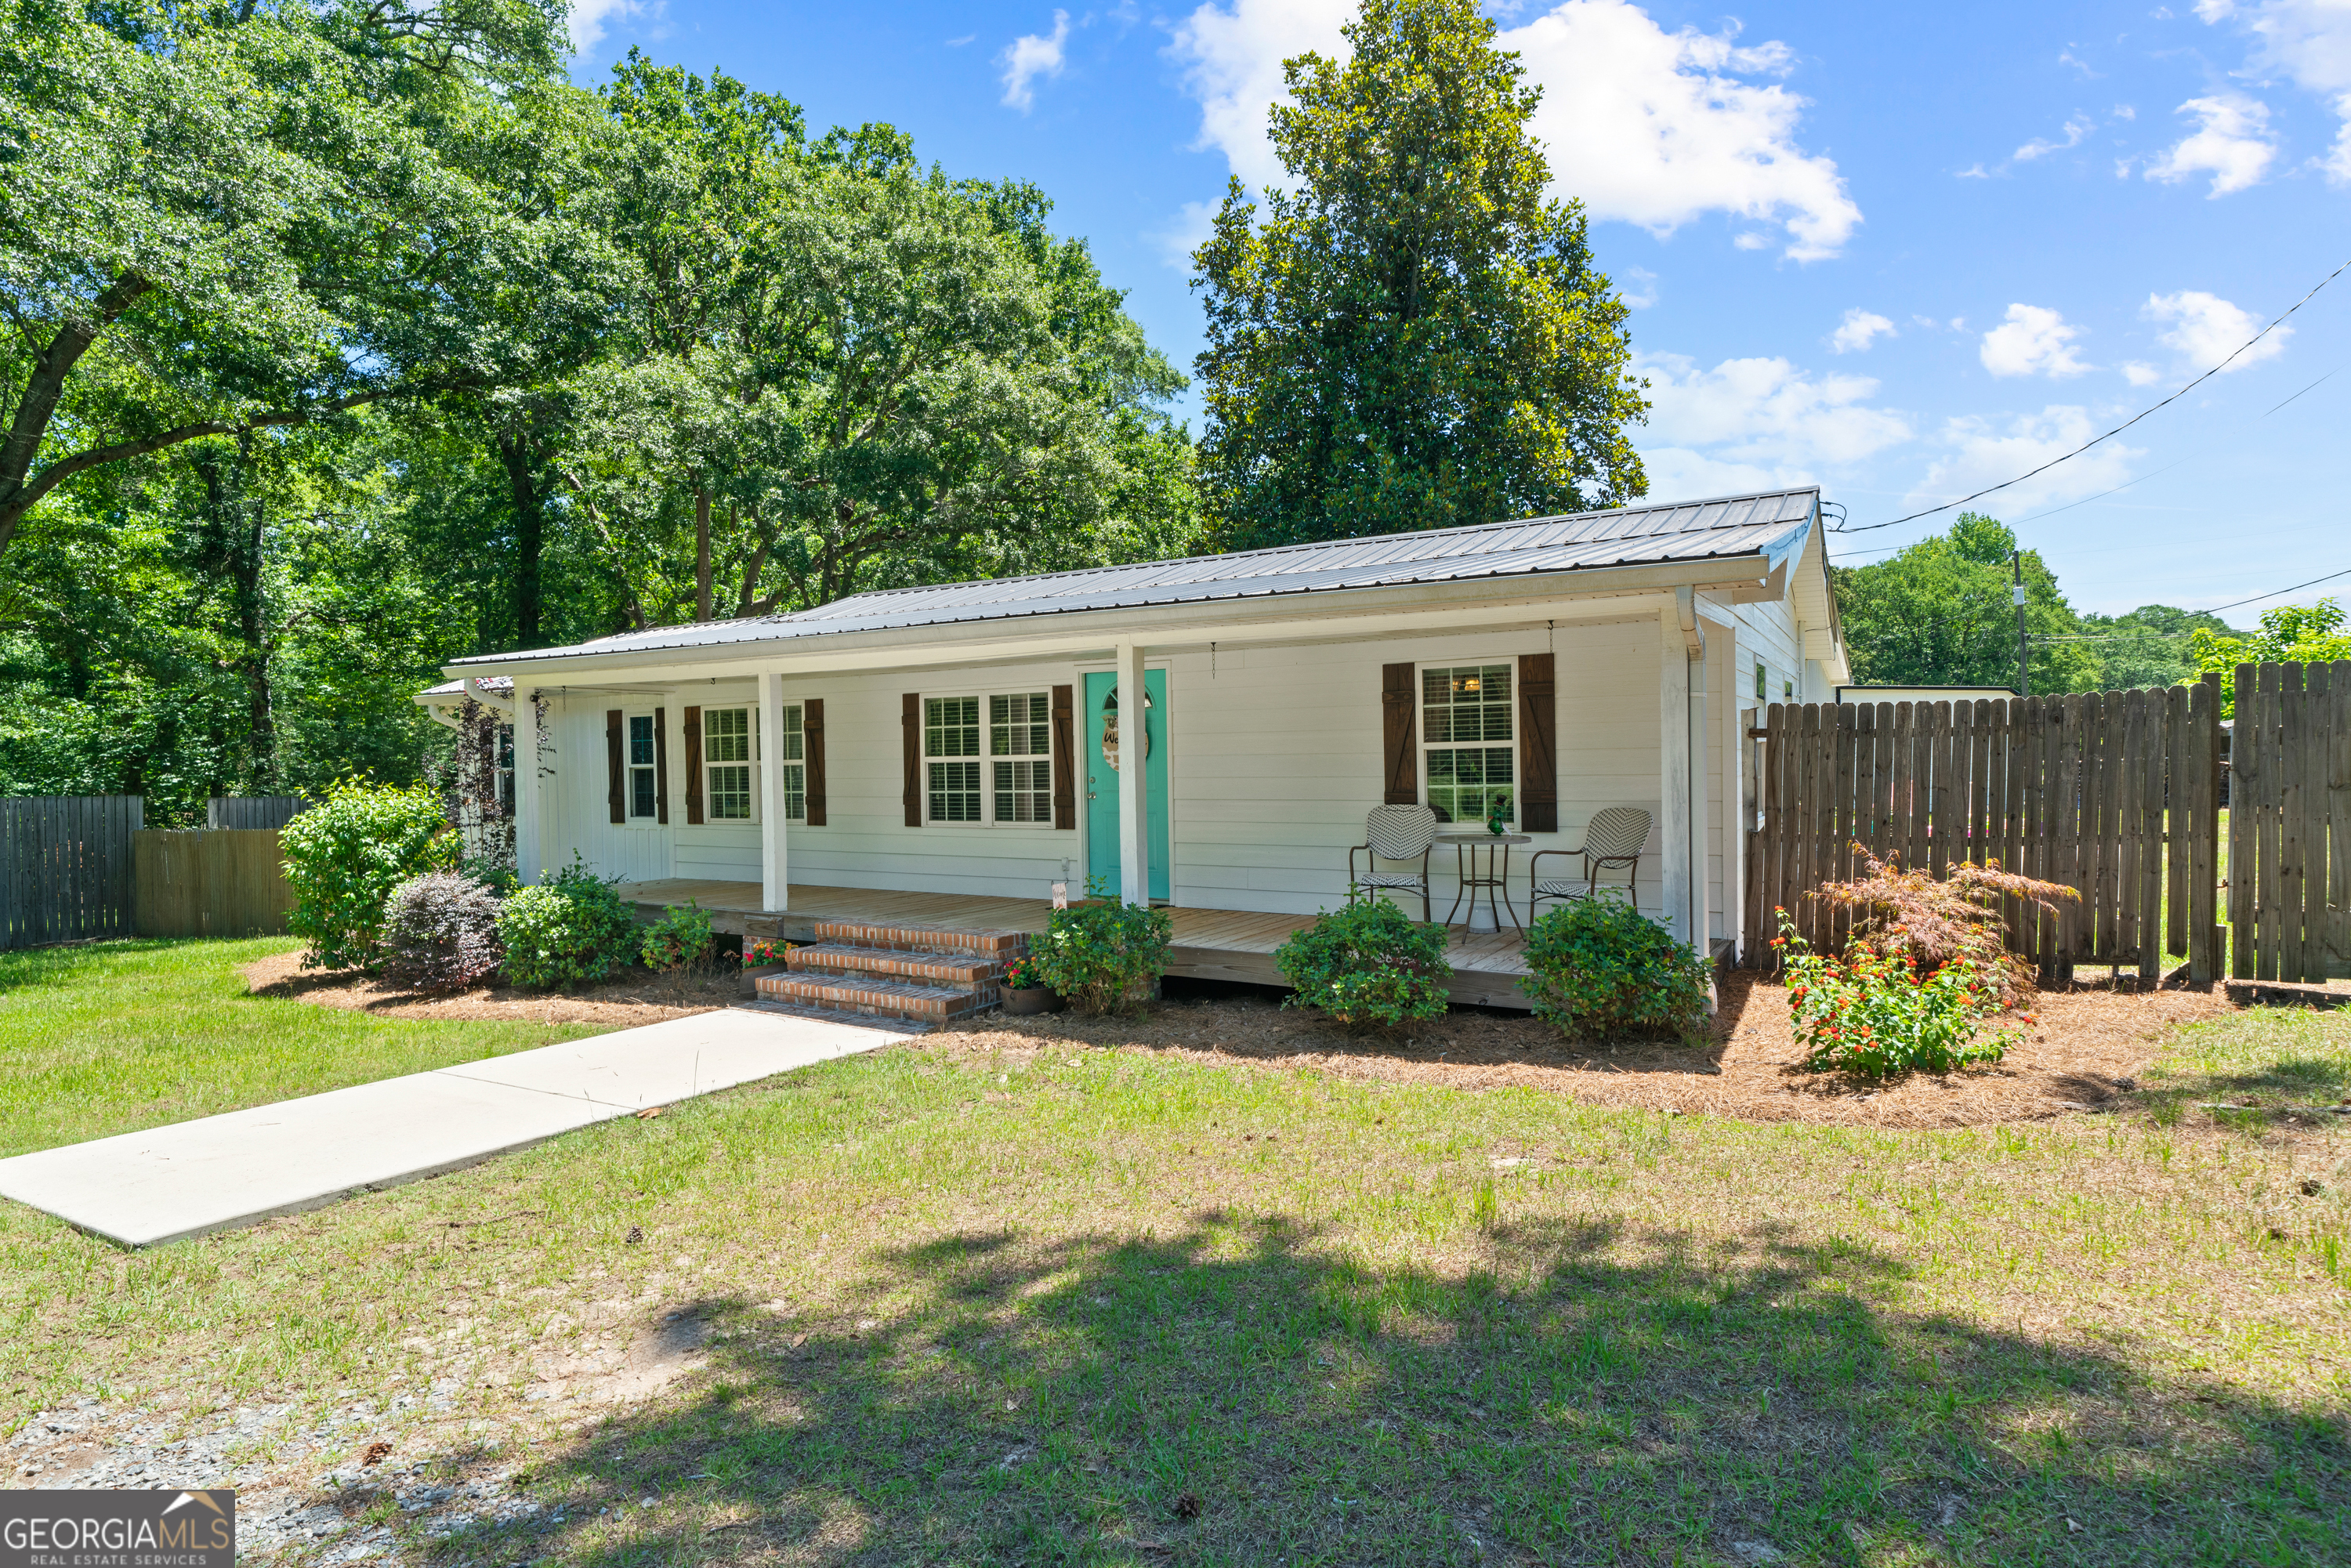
(170, 1183)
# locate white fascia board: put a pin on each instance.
(1409, 609)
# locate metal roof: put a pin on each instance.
(1770, 524)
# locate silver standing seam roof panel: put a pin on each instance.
(1769, 525)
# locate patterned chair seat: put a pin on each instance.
(1562, 887)
(1393, 833)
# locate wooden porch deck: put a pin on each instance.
(1209, 944)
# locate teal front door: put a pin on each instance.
(1108, 738)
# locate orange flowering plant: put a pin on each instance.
(1917, 980)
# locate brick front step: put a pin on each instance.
(997, 945)
(885, 998)
(955, 971)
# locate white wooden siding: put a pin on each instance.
(1275, 758)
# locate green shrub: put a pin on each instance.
(1103, 955)
(571, 929)
(345, 855)
(679, 938)
(1367, 966)
(1874, 1012)
(441, 931)
(1598, 967)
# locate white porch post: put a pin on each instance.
(774, 890)
(1674, 769)
(530, 796)
(1133, 780)
(1700, 898)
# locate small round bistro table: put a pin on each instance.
(1494, 882)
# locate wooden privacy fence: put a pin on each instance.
(271, 811)
(2113, 794)
(65, 867)
(2290, 822)
(226, 882)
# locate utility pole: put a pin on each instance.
(2024, 644)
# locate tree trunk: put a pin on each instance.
(43, 386)
(701, 554)
(530, 534)
(234, 540)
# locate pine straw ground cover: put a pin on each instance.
(1004, 1297)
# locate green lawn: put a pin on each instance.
(977, 1304)
(117, 1036)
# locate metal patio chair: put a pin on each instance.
(1611, 841)
(1402, 833)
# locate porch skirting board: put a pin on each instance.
(1209, 944)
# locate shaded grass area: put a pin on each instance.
(111, 1037)
(988, 1306)
(2274, 1060)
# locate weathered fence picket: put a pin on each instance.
(65, 867)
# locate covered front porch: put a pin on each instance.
(1209, 944)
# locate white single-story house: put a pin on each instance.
(961, 740)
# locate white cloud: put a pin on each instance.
(1982, 453)
(2033, 340)
(1854, 333)
(2140, 373)
(1232, 65)
(2081, 125)
(2124, 111)
(2232, 142)
(2206, 328)
(2308, 41)
(1184, 233)
(1766, 412)
(1031, 56)
(1653, 127)
(587, 20)
(1641, 292)
(1973, 172)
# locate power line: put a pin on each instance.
(2297, 587)
(2126, 424)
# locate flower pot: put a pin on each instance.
(751, 981)
(1023, 1003)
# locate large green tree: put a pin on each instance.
(1413, 333)
(839, 371)
(2289, 634)
(220, 219)
(1940, 612)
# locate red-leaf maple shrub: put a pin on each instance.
(1912, 915)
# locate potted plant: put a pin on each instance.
(1024, 989)
(763, 957)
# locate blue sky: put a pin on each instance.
(1903, 252)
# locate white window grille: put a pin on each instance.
(729, 752)
(1468, 737)
(1021, 752)
(951, 758)
(643, 785)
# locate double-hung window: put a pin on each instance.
(989, 758)
(638, 754)
(951, 758)
(1469, 737)
(1020, 756)
(791, 756)
(729, 764)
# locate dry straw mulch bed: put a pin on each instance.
(637, 997)
(2087, 1042)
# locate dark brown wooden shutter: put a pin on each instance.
(910, 725)
(615, 776)
(1065, 756)
(661, 766)
(812, 748)
(1537, 752)
(692, 735)
(1399, 733)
